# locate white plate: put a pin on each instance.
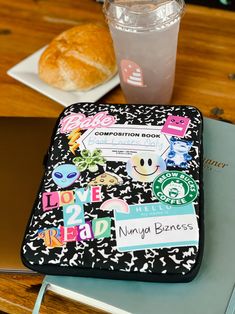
(27, 72)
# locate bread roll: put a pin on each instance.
(79, 58)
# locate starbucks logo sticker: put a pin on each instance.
(175, 188)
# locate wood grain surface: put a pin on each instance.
(204, 78)
(205, 58)
(19, 292)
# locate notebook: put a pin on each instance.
(24, 142)
(211, 291)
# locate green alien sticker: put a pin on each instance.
(175, 188)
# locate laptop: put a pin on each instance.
(24, 143)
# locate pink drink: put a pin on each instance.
(145, 35)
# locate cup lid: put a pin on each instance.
(143, 15)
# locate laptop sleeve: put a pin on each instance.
(121, 196)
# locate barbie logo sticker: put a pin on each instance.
(132, 73)
(80, 121)
(176, 125)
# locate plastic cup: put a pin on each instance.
(145, 36)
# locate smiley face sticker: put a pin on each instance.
(145, 167)
(176, 125)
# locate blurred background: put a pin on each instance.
(221, 4)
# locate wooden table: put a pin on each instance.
(205, 77)
(19, 292)
(205, 58)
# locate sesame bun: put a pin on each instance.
(79, 59)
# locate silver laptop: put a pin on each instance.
(24, 142)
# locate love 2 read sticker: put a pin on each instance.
(175, 188)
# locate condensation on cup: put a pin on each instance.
(145, 36)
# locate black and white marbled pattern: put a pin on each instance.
(102, 253)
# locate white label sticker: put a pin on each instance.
(155, 225)
(120, 142)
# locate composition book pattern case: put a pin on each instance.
(217, 273)
(121, 196)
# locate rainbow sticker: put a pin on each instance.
(115, 204)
